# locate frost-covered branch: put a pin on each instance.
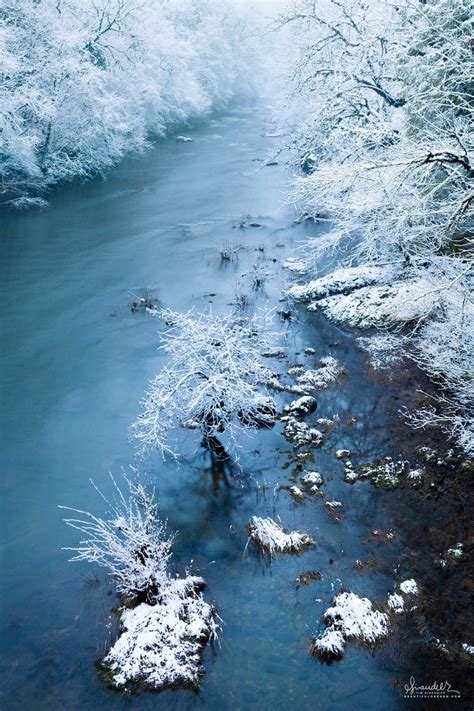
(131, 543)
(213, 381)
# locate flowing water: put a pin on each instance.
(75, 363)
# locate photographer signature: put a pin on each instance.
(438, 689)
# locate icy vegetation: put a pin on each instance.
(86, 82)
(213, 382)
(131, 543)
(383, 151)
(165, 621)
(272, 538)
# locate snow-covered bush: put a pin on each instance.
(385, 140)
(213, 382)
(131, 543)
(85, 82)
(165, 622)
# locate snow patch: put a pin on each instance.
(161, 644)
(272, 538)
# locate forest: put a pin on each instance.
(238, 343)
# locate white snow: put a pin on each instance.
(301, 434)
(351, 618)
(161, 644)
(409, 587)
(272, 538)
(340, 281)
(312, 479)
(330, 645)
(371, 306)
(468, 648)
(321, 378)
(396, 603)
(301, 407)
(342, 453)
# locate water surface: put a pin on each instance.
(75, 363)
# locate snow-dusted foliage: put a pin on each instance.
(165, 621)
(213, 381)
(272, 538)
(131, 543)
(385, 143)
(85, 82)
(161, 644)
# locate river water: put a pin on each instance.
(75, 363)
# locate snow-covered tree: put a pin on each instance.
(85, 82)
(387, 148)
(131, 543)
(213, 382)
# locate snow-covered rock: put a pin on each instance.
(272, 538)
(312, 478)
(396, 603)
(327, 374)
(183, 139)
(161, 644)
(342, 453)
(351, 618)
(301, 407)
(409, 587)
(300, 434)
(372, 306)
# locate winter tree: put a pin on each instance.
(387, 150)
(213, 382)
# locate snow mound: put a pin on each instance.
(351, 618)
(341, 281)
(161, 644)
(272, 538)
(372, 306)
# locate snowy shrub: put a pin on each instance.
(213, 382)
(131, 543)
(165, 622)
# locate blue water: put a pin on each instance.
(75, 363)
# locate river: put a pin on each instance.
(75, 363)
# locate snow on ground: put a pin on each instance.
(372, 306)
(161, 644)
(341, 281)
(272, 538)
